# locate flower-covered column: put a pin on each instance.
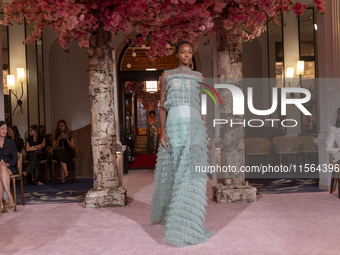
(231, 186)
(106, 191)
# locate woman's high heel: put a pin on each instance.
(4, 206)
(11, 207)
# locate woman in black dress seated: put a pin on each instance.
(8, 161)
(63, 144)
(13, 133)
(35, 145)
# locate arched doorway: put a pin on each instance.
(134, 66)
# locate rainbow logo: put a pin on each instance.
(207, 91)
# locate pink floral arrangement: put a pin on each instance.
(163, 22)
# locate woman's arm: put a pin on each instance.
(147, 127)
(70, 142)
(42, 145)
(14, 156)
(162, 110)
(28, 147)
(204, 117)
(55, 143)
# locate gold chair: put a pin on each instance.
(54, 163)
(256, 147)
(287, 146)
(308, 146)
(14, 178)
(335, 177)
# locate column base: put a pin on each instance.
(233, 193)
(113, 197)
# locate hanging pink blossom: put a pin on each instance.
(159, 22)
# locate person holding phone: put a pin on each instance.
(35, 145)
(63, 144)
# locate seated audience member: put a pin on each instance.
(8, 161)
(133, 148)
(35, 145)
(63, 144)
(333, 136)
(13, 133)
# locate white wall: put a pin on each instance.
(255, 67)
(66, 83)
(68, 86)
(49, 36)
(2, 102)
(17, 59)
(291, 56)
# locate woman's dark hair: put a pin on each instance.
(35, 128)
(337, 123)
(2, 123)
(56, 133)
(181, 43)
(152, 111)
(16, 132)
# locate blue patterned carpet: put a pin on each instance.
(56, 193)
(75, 192)
(278, 186)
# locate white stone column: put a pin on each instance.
(328, 37)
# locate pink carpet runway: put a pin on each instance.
(301, 223)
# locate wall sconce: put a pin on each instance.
(151, 86)
(11, 86)
(300, 68)
(289, 74)
(21, 74)
(10, 82)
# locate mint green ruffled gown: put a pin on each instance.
(179, 195)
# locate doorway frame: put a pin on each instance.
(138, 76)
